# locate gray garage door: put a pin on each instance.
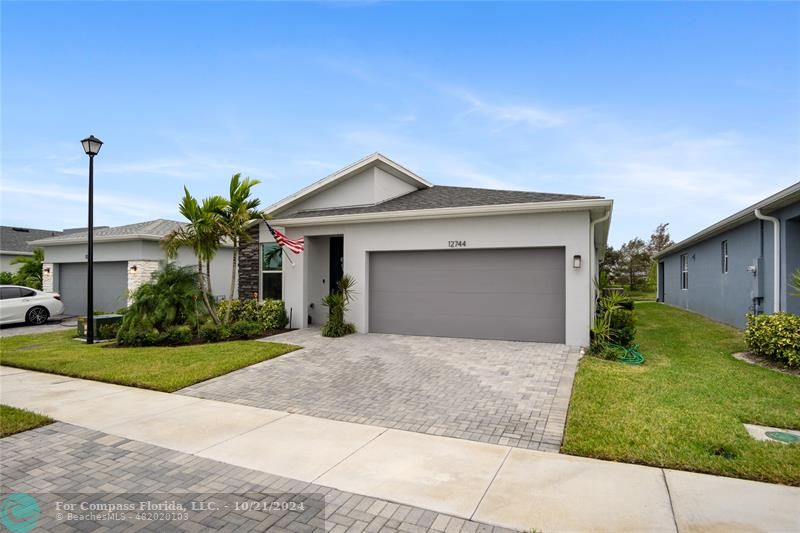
(110, 284)
(511, 294)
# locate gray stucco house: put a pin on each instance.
(740, 265)
(124, 258)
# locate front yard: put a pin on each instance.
(13, 420)
(159, 368)
(685, 407)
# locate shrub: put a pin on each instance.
(776, 337)
(613, 324)
(171, 298)
(211, 332)
(622, 329)
(270, 314)
(337, 303)
(245, 329)
(108, 331)
(138, 337)
(177, 335)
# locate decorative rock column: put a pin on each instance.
(139, 272)
(249, 266)
(48, 277)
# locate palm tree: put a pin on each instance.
(240, 212)
(203, 234)
(30, 273)
(796, 282)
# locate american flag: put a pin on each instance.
(294, 245)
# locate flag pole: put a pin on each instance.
(264, 219)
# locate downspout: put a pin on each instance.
(776, 258)
(592, 265)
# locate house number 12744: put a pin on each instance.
(457, 244)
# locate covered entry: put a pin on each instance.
(110, 286)
(509, 294)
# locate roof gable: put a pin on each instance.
(372, 180)
(443, 196)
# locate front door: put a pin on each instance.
(336, 262)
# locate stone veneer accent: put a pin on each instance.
(249, 265)
(48, 277)
(144, 271)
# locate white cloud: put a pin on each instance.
(526, 114)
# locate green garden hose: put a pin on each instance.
(630, 356)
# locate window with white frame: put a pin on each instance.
(724, 253)
(271, 272)
(685, 271)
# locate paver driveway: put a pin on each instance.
(501, 392)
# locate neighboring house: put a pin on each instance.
(124, 258)
(435, 260)
(14, 243)
(735, 267)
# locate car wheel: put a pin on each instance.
(37, 316)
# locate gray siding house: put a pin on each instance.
(735, 267)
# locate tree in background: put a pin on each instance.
(30, 270)
(241, 210)
(659, 240)
(635, 263)
(612, 265)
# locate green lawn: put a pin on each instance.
(160, 368)
(684, 408)
(13, 420)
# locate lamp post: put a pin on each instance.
(91, 145)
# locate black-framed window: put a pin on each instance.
(724, 254)
(685, 271)
(271, 271)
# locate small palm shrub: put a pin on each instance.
(337, 303)
(613, 325)
(171, 298)
(775, 337)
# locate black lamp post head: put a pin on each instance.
(91, 145)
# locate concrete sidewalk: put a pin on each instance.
(509, 487)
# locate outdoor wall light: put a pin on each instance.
(133, 268)
(46, 270)
(576, 261)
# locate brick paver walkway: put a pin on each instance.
(499, 392)
(70, 464)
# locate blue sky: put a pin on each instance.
(682, 113)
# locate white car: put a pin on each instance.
(21, 304)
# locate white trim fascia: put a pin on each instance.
(11, 252)
(448, 212)
(737, 219)
(347, 172)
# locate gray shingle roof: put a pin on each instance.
(440, 196)
(16, 239)
(156, 229)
